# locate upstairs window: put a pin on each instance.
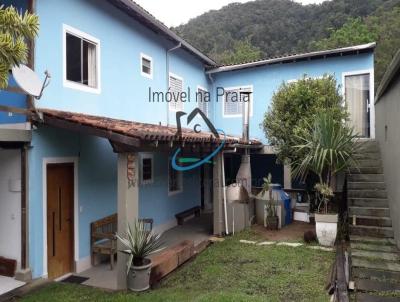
(147, 66)
(234, 99)
(202, 100)
(81, 60)
(176, 89)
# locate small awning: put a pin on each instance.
(15, 135)
(131, 133)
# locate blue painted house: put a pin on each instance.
(106, 134)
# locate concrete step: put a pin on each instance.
(368, 202)
(386, 256)
(366, 178)
(369, 163)
(371, 221)
(375, 286)
(369, 211)
(373, 247)
(365, 185)
(366, 170)
(372, 240)
(371, 231)
(366, 297)
(367, 155)
(377, 265)
(371, 193)
(367, 146)
(369, 273)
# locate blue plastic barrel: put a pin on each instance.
(286, 201)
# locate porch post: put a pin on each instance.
(287, 176)
(128, 204)
(218, 195)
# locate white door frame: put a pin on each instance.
(371, 95)
(60, 160)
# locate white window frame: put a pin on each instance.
(169, 85)
(371, 94)
(250, 87)
(80, 34)
(180, 180)
(142, 157)
(208, 113)
(150, 59)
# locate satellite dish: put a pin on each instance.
(28, 80)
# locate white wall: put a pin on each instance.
(10, 204)
(388, 134)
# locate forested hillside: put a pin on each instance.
(266, 28)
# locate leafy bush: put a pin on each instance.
(294, 107)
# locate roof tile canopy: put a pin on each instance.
(134, 130)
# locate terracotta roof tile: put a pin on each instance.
(141, 131)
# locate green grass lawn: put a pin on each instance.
(226, 271)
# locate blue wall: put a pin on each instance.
(124, 91)
(267, 79)
(97, 187)
(154, 199)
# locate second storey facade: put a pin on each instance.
(111, 58)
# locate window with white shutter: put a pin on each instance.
(202, 100)
(234, 100)
(175, 88)
(146, 66)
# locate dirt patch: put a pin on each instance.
(292, 232)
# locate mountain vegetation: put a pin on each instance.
(258, 29)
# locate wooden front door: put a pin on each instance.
(60, 219)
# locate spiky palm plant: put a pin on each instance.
(328, 148)
(140, 243)
(15, 31)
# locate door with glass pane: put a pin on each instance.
(357, 97)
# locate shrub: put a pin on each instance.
(294, 106)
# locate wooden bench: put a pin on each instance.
(102, 236)
(180, 217)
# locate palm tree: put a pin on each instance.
(327, 148)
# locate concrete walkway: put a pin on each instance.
(197, 229)
(8, 284)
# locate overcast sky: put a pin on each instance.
(176, 12)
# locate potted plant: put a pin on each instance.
(327, 149)
(139, 243)
(271, 221)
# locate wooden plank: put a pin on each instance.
(15, 110)
(342, 293)
(91, 130)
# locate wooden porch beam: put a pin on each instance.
(15, 110)
(91, 130)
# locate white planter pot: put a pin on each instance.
(139, 277)
(326, 228)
